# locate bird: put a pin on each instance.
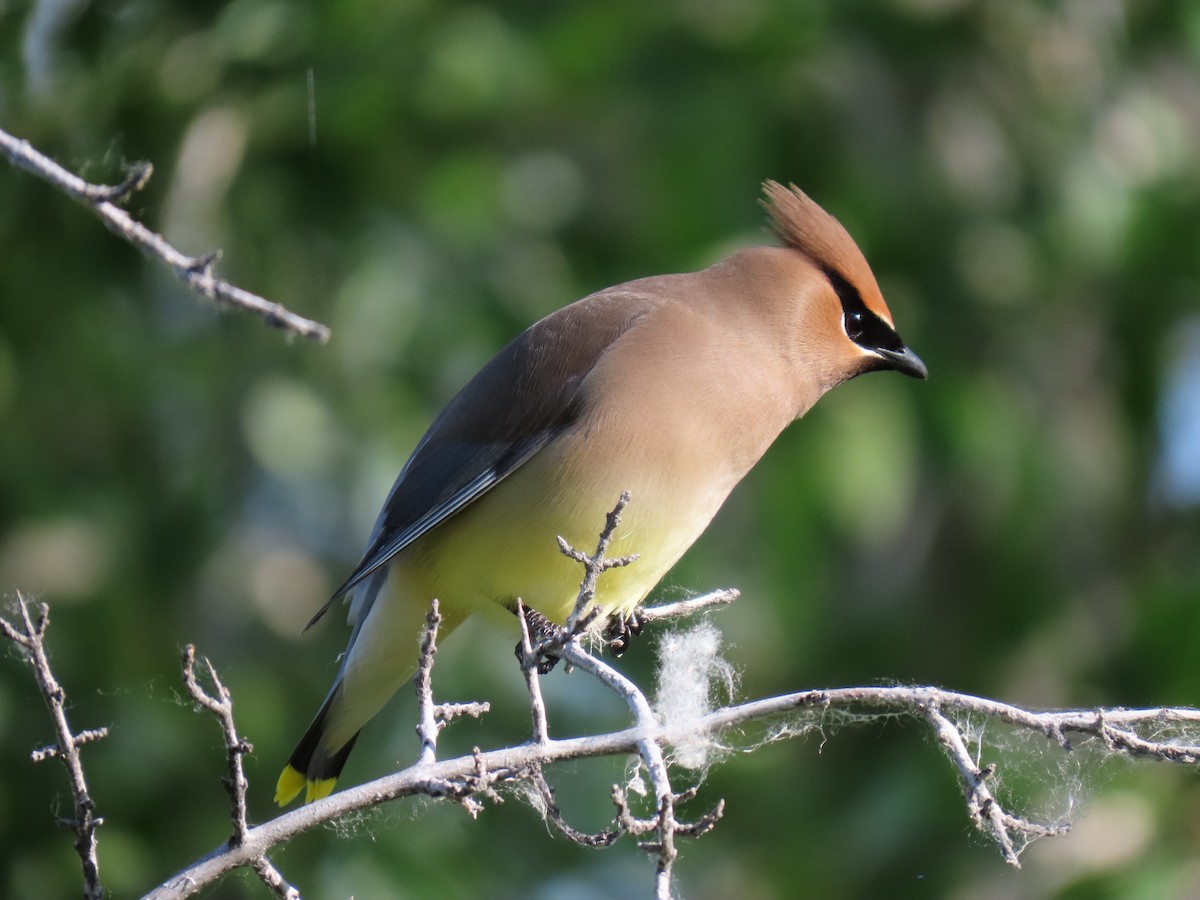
(669, 388)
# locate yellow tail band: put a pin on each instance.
(292, 781)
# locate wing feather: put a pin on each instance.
(519, 402)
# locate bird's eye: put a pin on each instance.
(856, 325)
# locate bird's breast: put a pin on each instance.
(676, 432)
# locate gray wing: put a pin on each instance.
(519, 402)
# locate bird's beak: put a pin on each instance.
(903, 360)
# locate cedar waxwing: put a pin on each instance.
(669, 387)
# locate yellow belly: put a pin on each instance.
(505, 546)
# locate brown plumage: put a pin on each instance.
(669, 387)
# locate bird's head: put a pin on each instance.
(846, 328)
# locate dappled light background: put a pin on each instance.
(430, 178)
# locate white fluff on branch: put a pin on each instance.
(692, 680)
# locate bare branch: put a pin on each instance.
(690, 606)
(650, 751)
(270, 876)
(529, 668)
(555, 817)
(911, 701)
(220, 704)
(30, 635)
(1168, 735)
(986, 812)
(427, 725)
(83, 737)
(595, 565)
(565, 643)
(433, 717)
(644, 717)
(195, 271)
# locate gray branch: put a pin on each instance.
(195, 271)
(220, 704)
(30, 636)
(469, 779)
(510, 764)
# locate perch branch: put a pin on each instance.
(533, 684)
(514, 762)
(650, 750)
(594, 566)
(1167, 735)
(682, 608)
(195, 271)
(1160, 734)
(644, 719)
(566, 645)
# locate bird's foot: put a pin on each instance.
(621, 630)
(541, 630)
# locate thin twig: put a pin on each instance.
(596, 564)
(705, 823)
(985, 811)
(584, 612)
(447, 712)
(195, 271)
(220, 704)
(626, 820)
(690, 606)
(83, 737)
(271, 877)
(533, 684)
(31, 637)
(555, 817)
(644, 718)
(650, 751)
(433, 717)
(427, 724)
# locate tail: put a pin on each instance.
(312, 764)
(380, 657)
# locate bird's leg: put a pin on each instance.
(621, 630)
(541, 630)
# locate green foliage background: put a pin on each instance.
(430, 178)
